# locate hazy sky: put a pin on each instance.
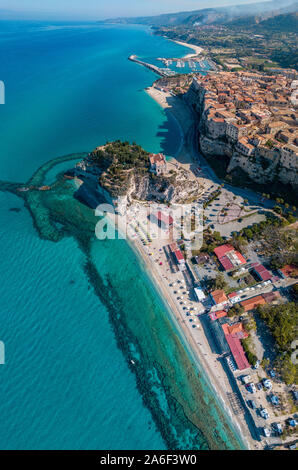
(96, 9)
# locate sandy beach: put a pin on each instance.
(198, 50)
(184, 118)
(195, 338)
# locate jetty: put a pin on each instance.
(24, 189)
(153, 68)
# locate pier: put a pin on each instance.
(153, 68)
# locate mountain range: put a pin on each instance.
(271, 14)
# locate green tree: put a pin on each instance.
(219, 282)
(282, 321)
(237, 309)
(287, 370)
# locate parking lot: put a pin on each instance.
(261, 398)
(228, 213)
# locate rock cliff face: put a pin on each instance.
(121, 170)
(215, 147)
(261, 166)
(173, 188)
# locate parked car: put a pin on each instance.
(264, 413)
(274, 400)
(277, 428)
(266, 432)
(252, 404)
(292, 422)
(251, 387)
(245, 379)
(267, 384)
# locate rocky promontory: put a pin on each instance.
(120, 169)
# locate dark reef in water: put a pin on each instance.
(56, 214)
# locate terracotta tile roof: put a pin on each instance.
(157, 159)
(218, 314)
(219, 296)
(289, 271)
(251, 304)
(235, 329)
(222, 250)
(232, 295)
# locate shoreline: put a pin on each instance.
(151, 91)
(198, 50)
(222, 386)
(192, 349)
(183, 117)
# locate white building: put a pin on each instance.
(199, 294)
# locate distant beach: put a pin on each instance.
(198, 50)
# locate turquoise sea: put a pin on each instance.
(67, 382)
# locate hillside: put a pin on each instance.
(281, 20)
(123, 170)
(286, 23)
(215, 16)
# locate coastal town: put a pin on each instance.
(149, 230)
(217, 295)
(251, 118)
(233, 293)
(225, 294)
(220, 319)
